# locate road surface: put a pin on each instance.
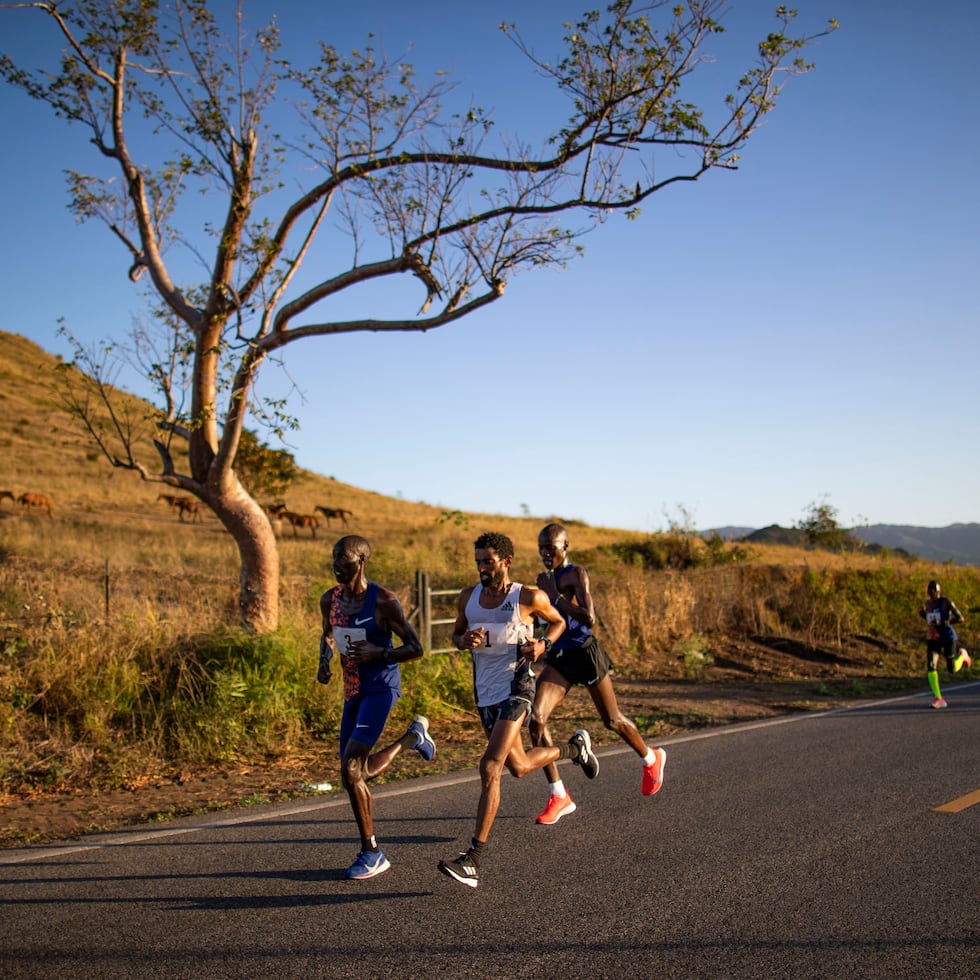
(842, 843)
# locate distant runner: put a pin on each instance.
(941, 616)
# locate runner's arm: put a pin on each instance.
(392, 617)
(323, 672)
(580, 607)
(535, 604)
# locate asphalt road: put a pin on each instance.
(810, 846)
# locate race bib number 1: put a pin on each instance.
(497, 637)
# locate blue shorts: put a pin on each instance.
(365, 716)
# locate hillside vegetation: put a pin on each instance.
(120, 660)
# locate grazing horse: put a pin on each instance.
(41, 501)
(183, 505)
(330, 512)
(187, 506)
(300, 520)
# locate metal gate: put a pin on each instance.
(428, 620)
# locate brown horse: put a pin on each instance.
(331, 512)
(183, 505)
(300, 520)
(187, 506)
(40, 501)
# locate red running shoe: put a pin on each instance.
(557, 807)
(653, 774)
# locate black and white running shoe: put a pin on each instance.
(586, 758)
(462, 869)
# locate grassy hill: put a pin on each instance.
(113, 515)
(117, 516)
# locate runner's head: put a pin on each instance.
(499, 542)
(553, 545)
(350, 554)
(933, 589)
(494, 553)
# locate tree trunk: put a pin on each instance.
(258, 594)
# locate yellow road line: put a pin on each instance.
(954, 806)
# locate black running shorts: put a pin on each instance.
(513, 709)
(586, 664)
(936, 647)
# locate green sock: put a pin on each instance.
(958, 662)
(933, 676)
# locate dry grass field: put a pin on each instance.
(127, 694)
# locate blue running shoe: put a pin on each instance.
(423, 743)
(368, 865)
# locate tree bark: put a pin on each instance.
(248, 524)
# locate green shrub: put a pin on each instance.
(678, 550)
(693, 652)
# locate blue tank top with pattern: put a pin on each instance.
(576, 633)
(348, 628)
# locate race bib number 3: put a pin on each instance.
(344, 638)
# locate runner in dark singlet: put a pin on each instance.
(577, 657)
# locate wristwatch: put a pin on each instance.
(547, 645)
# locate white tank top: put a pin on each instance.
(495, 660)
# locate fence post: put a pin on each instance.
(427, 610)
(420, 604)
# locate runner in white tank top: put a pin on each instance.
(496, 658)
(495, 621)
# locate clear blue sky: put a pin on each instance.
(803, 329)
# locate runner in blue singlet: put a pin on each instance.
(359, 618)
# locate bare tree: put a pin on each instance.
(418, 189)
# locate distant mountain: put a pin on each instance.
(729, 532)
(958, 543)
